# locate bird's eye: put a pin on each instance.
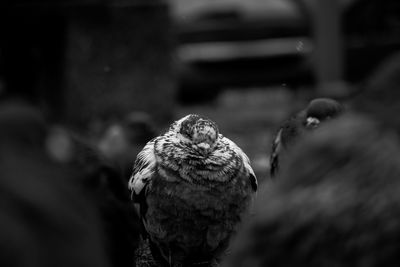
(312, 122)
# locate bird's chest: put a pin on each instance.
(191, 214)
(177, 197)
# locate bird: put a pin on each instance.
(335, 203)
(194, 187)
(318, 111)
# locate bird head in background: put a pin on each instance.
(321, 109)
(197, 132)
(318, 111)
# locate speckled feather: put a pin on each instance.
(191, 203)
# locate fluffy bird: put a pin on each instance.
(193, 186)
(317, 111)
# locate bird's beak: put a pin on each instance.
(204, 147)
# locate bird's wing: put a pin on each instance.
(246, 162)
(274, 158)
(143, 168)
(286, 136)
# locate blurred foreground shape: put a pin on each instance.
(337, 203)
(45, 220)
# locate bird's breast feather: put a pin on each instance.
(244, 158)
(143, 168)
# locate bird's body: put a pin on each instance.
(317, 111)
(336, 203)
(194, 186)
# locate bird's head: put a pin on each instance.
(197, 132)
(321, 109)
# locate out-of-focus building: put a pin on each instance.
(294, 43)
(82, 60)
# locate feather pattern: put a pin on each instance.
(274, 158)
(193, 186)
(143, 168)
(245, 159)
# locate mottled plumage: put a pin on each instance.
(317, 111)
(193, 186)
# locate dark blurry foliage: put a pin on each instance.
(21, 125)
(121, 141)
(337, 203)
(104, 183)
(69, 201)
(45, 218)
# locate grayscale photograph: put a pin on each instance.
(199, 133)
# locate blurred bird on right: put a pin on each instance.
(317, 111)
(337, 202)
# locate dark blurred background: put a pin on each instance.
(245, 64)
